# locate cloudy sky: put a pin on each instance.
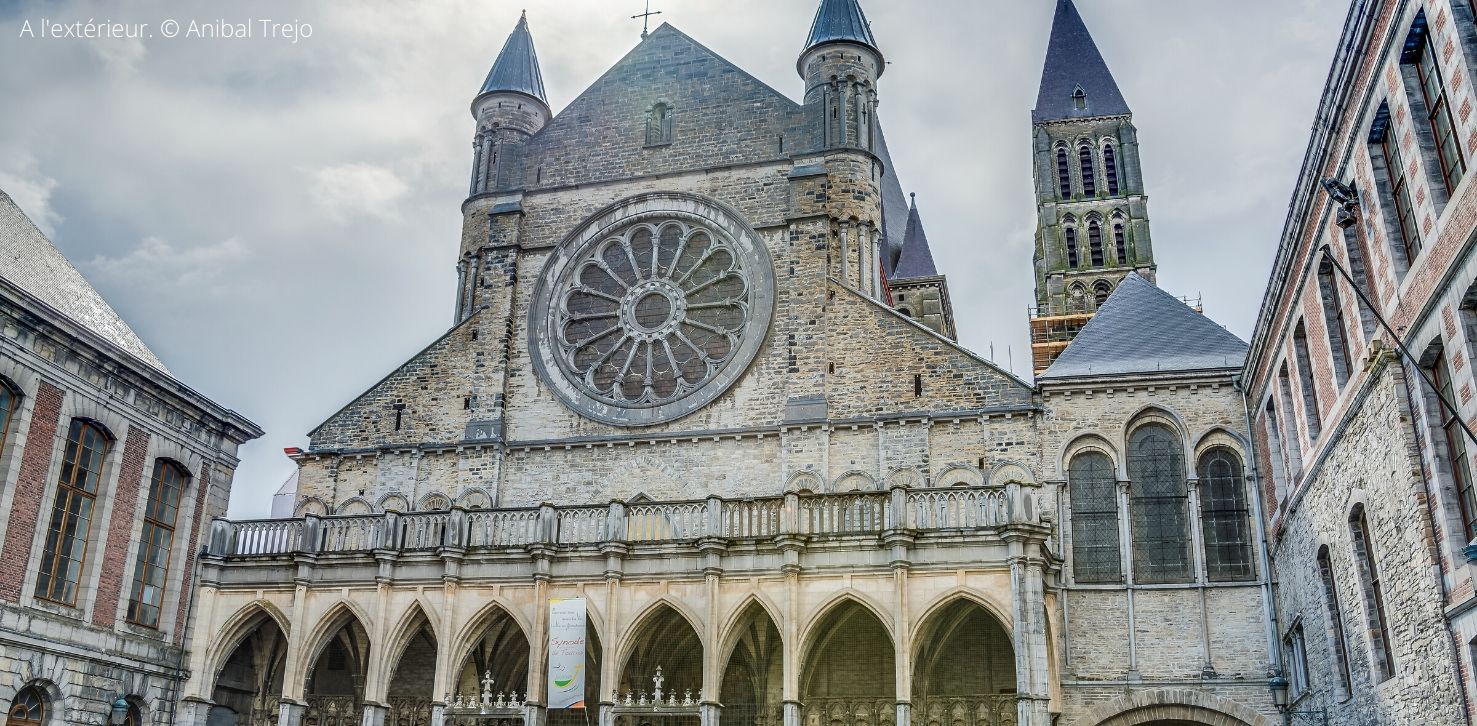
(279, 219)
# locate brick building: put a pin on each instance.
(110, 472)
(702, 374)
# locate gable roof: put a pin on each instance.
(1072, 62)
(840, 21)
(1142, 329)
(31, 262)
(916, 259)
(516, 68)
(894, 207)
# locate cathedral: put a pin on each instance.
(703, 379)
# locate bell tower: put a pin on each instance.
(1092, 226)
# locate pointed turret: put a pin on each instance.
(918, 290)
(516, 68)
(841, 21)
(1076, 82)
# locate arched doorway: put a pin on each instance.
(664, 664)
(412, 691)
(963, 669)
(248, 686)
(334, 691)
(752, 692)
(848, 675)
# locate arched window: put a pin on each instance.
(71, 517)
(659, 125)
(1063, 173)
(1079, 98)
(1156, 473)
(1374, 595)
(28, 708)
(1071, 235)
(1077, 298)
(1225, 519)
(1095, 242)
(1101, 290)
(1089, 180)
(1093, 490)
(1335, 618)
(156, 544)
(1120, 241)
(1110, 169)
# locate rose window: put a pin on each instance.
(651, 310)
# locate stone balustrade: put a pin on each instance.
(848, 514)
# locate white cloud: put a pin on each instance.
(31, 190)
(344, 190)
(198, 269)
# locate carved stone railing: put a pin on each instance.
(849, 712)
(333, 711)
(409, 711)
(265, 711)
(815, 516)
(998, 710)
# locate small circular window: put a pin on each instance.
(653, 310)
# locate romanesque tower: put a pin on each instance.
(510, 108)
(1092, 213)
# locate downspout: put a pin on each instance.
(1269, 608)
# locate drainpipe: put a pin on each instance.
(1269, 608)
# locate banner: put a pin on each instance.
(567, 652)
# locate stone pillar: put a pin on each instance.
(709, 713)
(607, 714)
(791, 713)
(291, 714)
(438, 714)
(1033, 686)
(845, 254)
(375, 714)
(905, 714)
(192, 711)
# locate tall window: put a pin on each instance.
(1311, 414)
(1095, 242)
(1089, 178)
(8, 400)
(1336, 325)
(1422, 56)
(1225, 518)
(1120, 242)
(1071, 235)
(1335, 618)
(1456, 444)
(1374, 596)
(1156, 472)
(71, 518)
(1297, 661)
(1363, 276)
(659, 125)
(156, 544)
(1277, 452)
(1404, 230)
(1291, 448)
(1101, 290)
(1063, 173)
(28, 708)
(1110, 169)
(1093, 492)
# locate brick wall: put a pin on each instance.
(30, 487)
(120, 529)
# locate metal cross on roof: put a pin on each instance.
(646, 20)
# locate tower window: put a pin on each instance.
(1418, 53)
(659, 125)
(1095, 242)
(1089, 181)
(1403, 228)
(1071, 235)
(1079, 99)
(1063, 173)
(1101, 290)
(1110, 169)
(1120, 242)
(917, 385)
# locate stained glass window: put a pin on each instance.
(1225, 519)
(1160, 505)
(1093, 492)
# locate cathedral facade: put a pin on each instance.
(703, 378)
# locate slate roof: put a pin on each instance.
(1142, 329)
(1073, 61)
(916, 259)
(840, 20)
(31, 262)
(894, 207)
(516, 68)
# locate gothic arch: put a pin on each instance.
(809, 628)
(354, 506)
(472, 632)
(237, 629)
(631, 634)
(948, 598)
(340, 615)
(667, 636)
(728, 637)
(960, 475)
(1150, 706)
(404, 630)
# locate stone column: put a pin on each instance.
(375, 714)
(709, 713)
(192, 711)
(291, 714)
(845, 254)
(1033, 687)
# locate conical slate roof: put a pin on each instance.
(1073, 62)
(516, 68)
(32, 263)
(840, 21)
(916, 259)
(1142, 329)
